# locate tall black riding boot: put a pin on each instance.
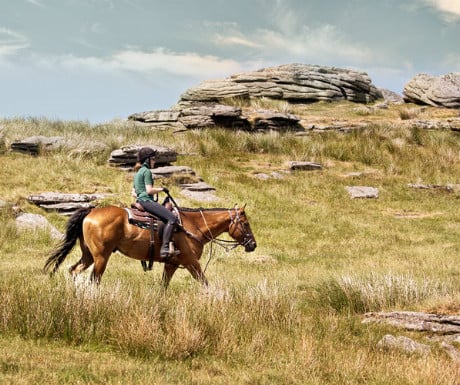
(165, 251)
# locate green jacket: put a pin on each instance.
(142, 178)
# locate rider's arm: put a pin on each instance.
(153, 190)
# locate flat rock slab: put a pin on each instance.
(158, 116)
(305, 166)
(36, 144)
(201, 196)
(362, 192)
(431, 187)
(55, 197)
(126, 156)
(169, 171)
(199, 186)
(265, 176)
(417, 321)
(64, 203)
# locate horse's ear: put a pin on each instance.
(244, 207)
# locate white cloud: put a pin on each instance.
(235, 40)
(451, 8)
(159, 60)
(36, 3)
(323, 44)
(11, 42)
(188, 64)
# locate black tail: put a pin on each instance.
(73, 232)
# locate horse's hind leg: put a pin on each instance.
(195, 270)
(85, 261)
(100, 263)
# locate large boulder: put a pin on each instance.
(438, 91)
(292, 82)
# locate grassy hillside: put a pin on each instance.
(289, 313)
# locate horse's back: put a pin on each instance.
(106, 221)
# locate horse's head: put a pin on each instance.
(240, 230)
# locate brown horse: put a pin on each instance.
(101, 231)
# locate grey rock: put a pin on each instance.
(36, 144)
(168, 171)
(126, 156)
(451, 351)
(391, 96)
(436, 124)
(62, 203)
(199, 186)
(206, 115)
(307, 83)
(201, 196)
(306, 166)
(28, 221)
(362, 192)
(215, 91)
(291, 82)
(404, 344)
(274, 120)
(439, 91)
(158, 116)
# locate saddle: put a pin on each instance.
(139, 217)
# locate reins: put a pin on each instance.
(226, 244)
(220, 242)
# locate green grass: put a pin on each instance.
(289, 313)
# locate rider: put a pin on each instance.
(143, 191)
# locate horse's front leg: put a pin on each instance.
(168, 272)
(195, 269)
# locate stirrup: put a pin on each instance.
(172, 251)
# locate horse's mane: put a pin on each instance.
(198, 209)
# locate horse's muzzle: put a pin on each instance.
(250, 246)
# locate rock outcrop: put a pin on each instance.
(298, 83)
(206, 105)
(438, 91)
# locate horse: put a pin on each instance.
(104, 230)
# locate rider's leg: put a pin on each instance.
(165, 250)
(170, 221)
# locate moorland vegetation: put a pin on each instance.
(289, 313)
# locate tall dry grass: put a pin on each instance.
(290, 312)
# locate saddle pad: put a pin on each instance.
(141, 219)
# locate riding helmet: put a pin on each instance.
(145, 153)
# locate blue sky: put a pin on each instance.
(99, 60)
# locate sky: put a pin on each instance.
(100, 60)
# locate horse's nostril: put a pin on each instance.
(251, 246)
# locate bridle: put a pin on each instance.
(225, 243)
(228, 245)
(242, 227)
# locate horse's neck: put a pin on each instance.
(209, 223)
